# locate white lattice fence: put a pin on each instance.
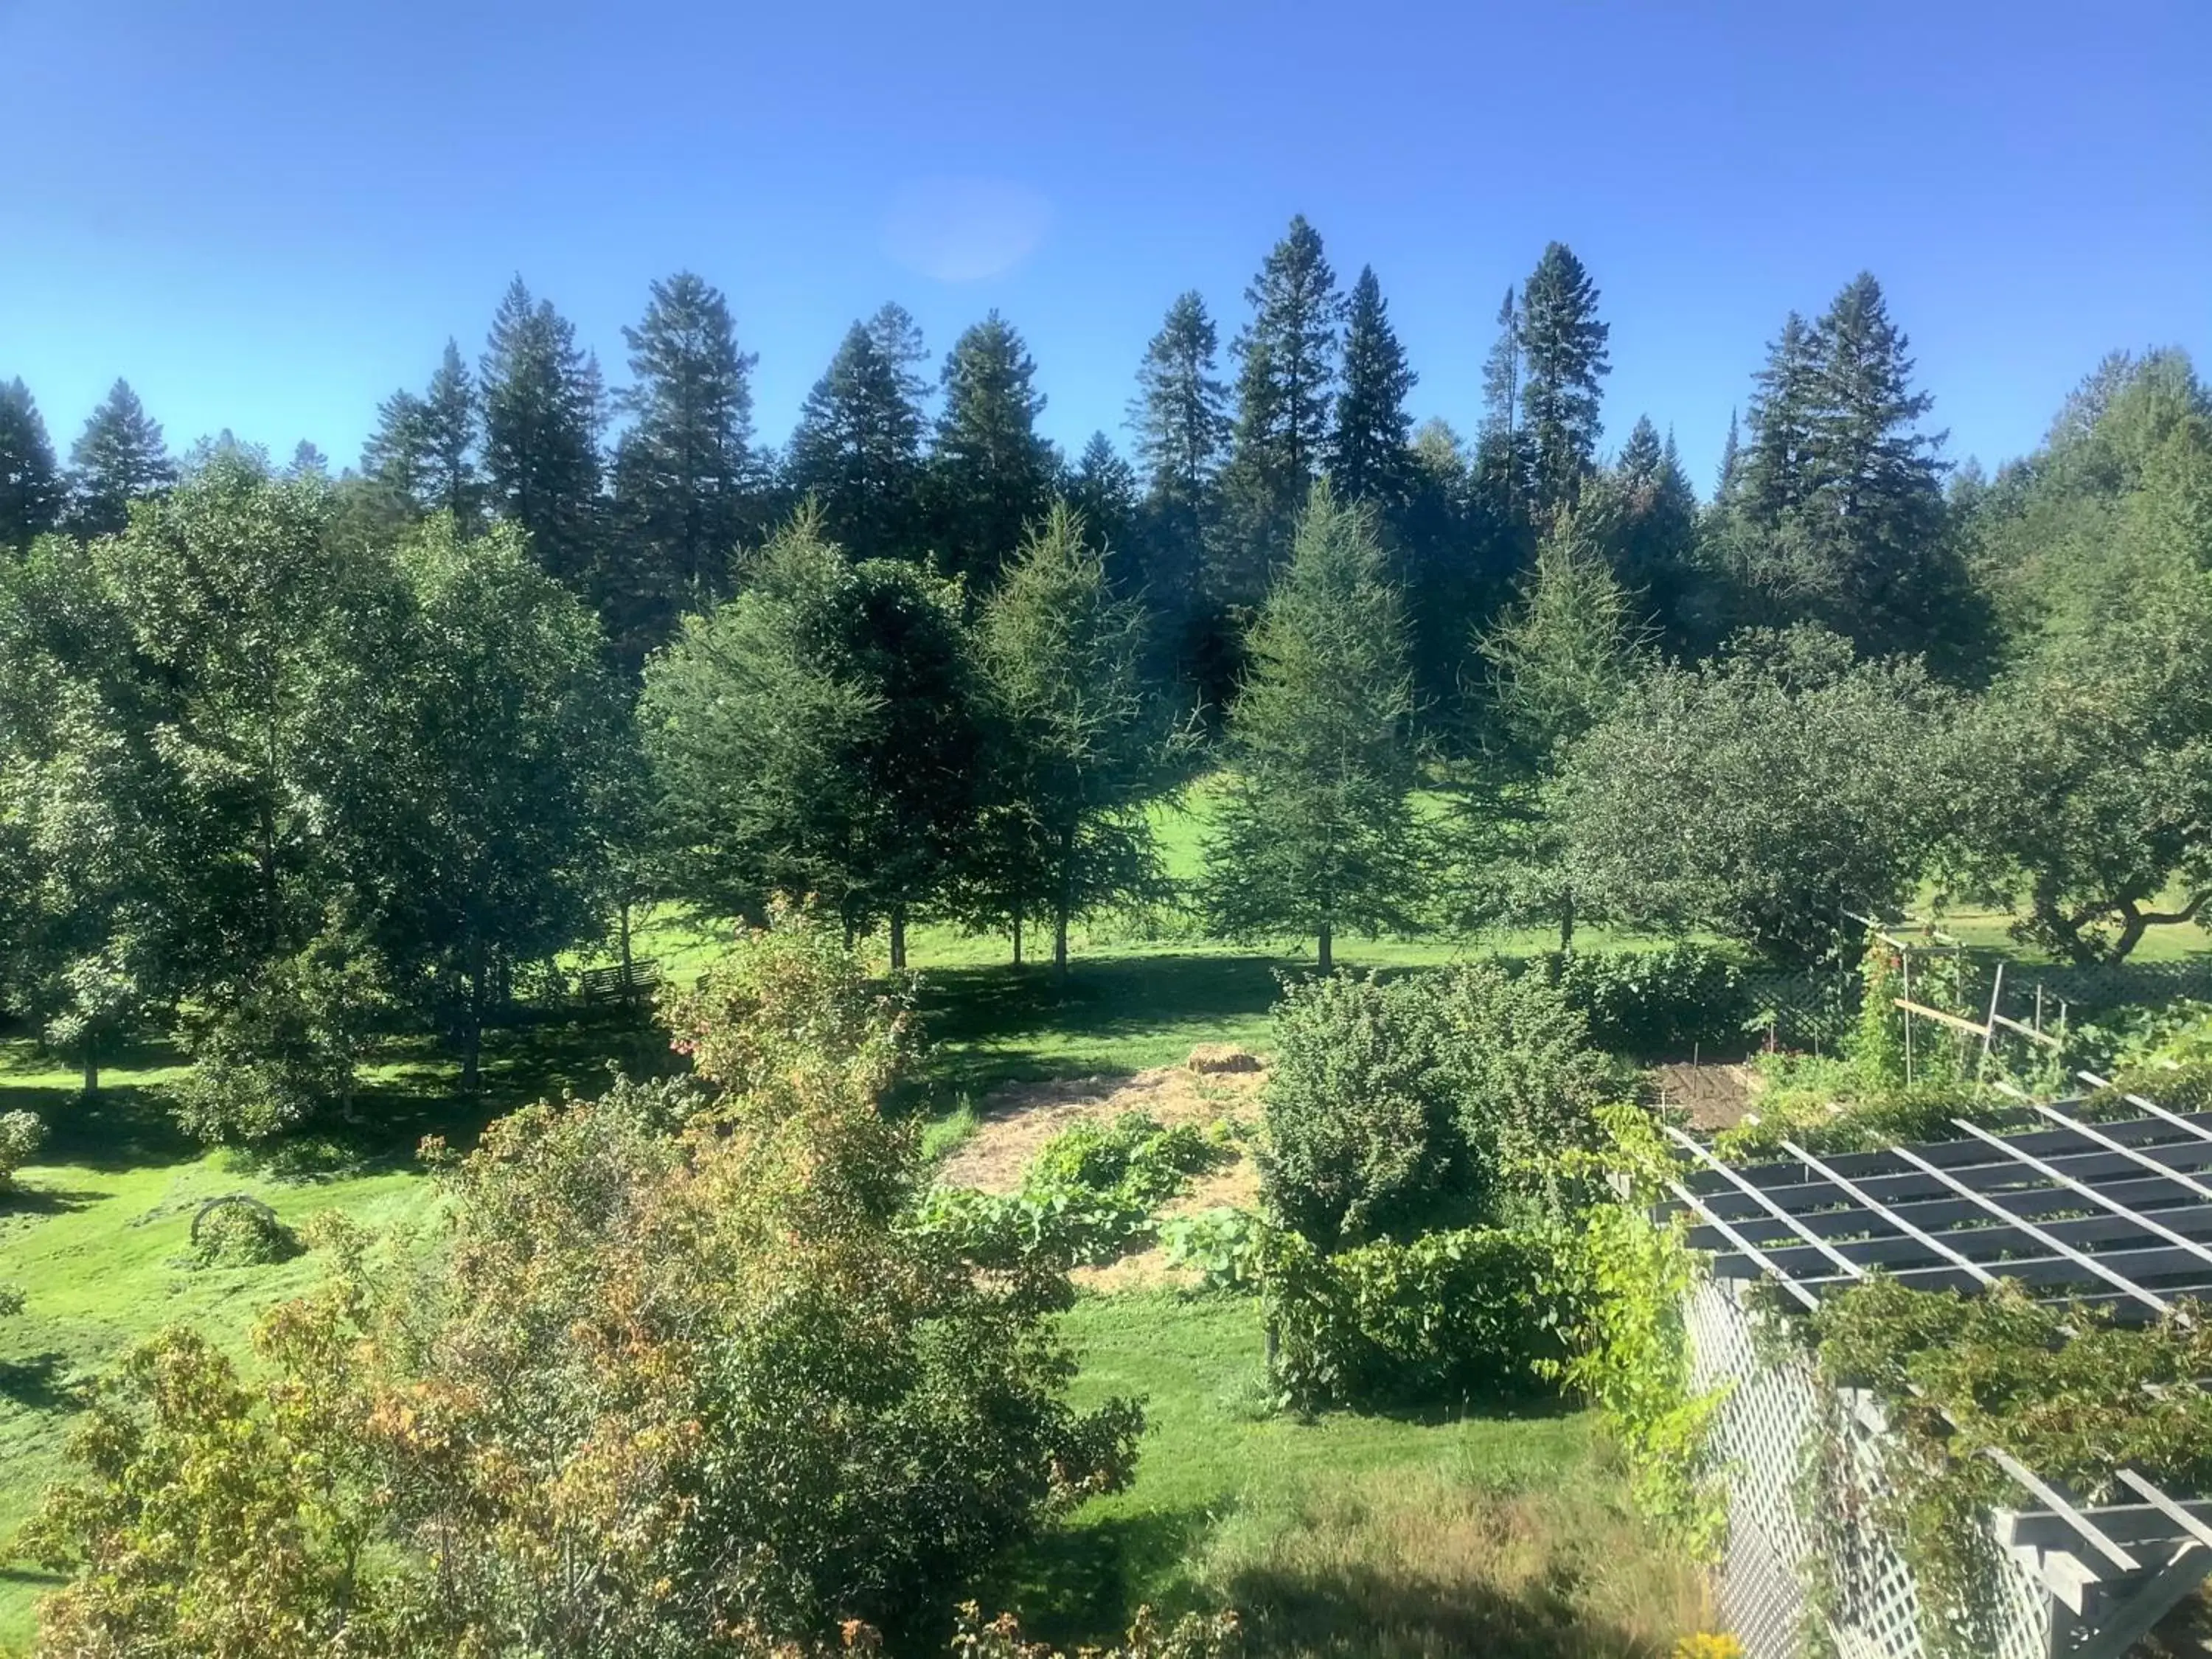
(1763, 1434)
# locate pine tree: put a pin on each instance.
(308, 461)
(990, 474)
(1180, 424)
(1646, 514)
(1501, 445)
(1563, 354)
(1285, 385)
(1102, 490)
(686, 480)
(1727, 478)
(1370, 455)
(857, 448)
(1316, 832)
(1179, 415)
(120, 457)
(542, 410)
(1079, 744)
(423, 449)
(1776, 470)
(30, 483)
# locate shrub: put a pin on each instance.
(240, 1232)
(1657, 1004)
(1525, 1084)
(1433, 1099)
(21, 1134)
(1226, 1246)
(278, 1052)
(1360, 1139)
(1447, 1319)
(1194, 1635)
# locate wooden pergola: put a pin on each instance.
(2117, 1214)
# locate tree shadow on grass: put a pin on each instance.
(1082, 1581)
(1360, 1613)
(42, 1382)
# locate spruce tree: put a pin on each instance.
(1316, 832)
(1729, 476)
(1646, 512)
(1370, 455)
(1501, 445)
(1776, 470)
(1102, 490)
(1079, 744)
(30, 483)
(120, 457)
(1181, 425)
(990, 474)
(686, 479)
(543, 411)
(857, 448)
(1286, 383)
(1563, 354)
(424, 448)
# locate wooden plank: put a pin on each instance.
(2179, 1162)
(1972, 1027)
(2161, 1268)
(1982, 1243)
(2027, 1031)
(2127, 1524)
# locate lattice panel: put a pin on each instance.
(1763, 1433)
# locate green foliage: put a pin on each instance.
(990, 476)
(118, 459)
(285, 1049)
(856, 450)
(1761, 796)
(240, 1233)
(1563, 364)
(1078, 743)
(1086, 1198)
(1370, 447)
(1227, 1246)
(21, 1134)
(787, 996)
(1656, 1004)
(543, 408)
(2065, 1390)
(1286, 358)
(1194, 1635)
(1445, 1319)
(1442, 1098)
(627, 1300)
(1316, 833)
(816, 735)
(31, 493)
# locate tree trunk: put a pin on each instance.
(1063, 903)
(1018, 936)
(898, 938)
(1327, 959)
(472, 1012)
(622, 924)
(1060, 943)
(1567, 922)
(91, 1065)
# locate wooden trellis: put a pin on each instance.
(2118, 1214)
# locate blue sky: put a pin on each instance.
(269, 215)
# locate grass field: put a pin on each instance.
(1349, 1535)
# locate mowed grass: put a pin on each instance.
(1505, 1535)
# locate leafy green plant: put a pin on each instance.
(2065, 1390)
(1226, 1246)
(1656, 1004)
(240, 1232)
(21, 1134)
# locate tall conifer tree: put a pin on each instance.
(30, 483)
(1179, 421)
(120, 457)
(857, 448)
(1370, 458)
(1103, 489)
(1563, 361)
(424, 448)
(686, 479)
(1286, 380)
(1501, 463)
(544, 406)
(990, 474)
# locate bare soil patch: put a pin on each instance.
(1716, 1096)
(1018, 1121)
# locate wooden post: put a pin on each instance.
(1905, 968)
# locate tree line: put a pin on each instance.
(288, 757)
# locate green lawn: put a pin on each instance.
(1503, 1535)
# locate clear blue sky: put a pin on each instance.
(269, 215)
